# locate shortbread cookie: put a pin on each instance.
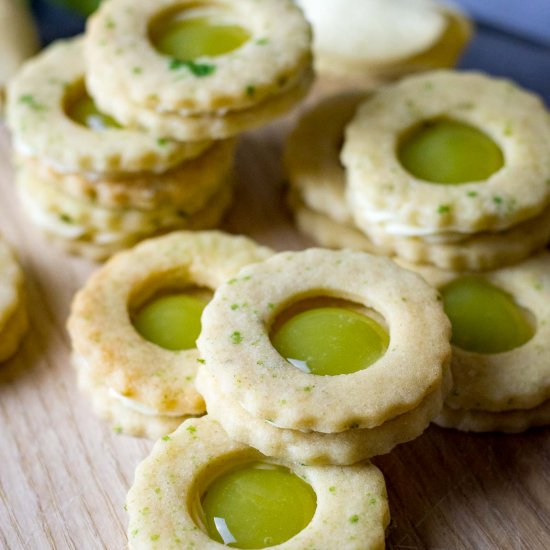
(218, 93)
(105, 340)
(241, 360)
(188, 185)
(175, 488)
(476, 252)
(384, 37)
(39, 101)
(517, 378)
(312, 155)
(509, 421)
(343, 448)
(125, 415)
(514, 121)
(13, 314)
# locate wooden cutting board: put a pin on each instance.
(64, 474)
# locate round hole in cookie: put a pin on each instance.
(81, 108)
(329, 336)
(447, 151)
(171, 317)
(485, 318)
(253, 504)
(187, 34)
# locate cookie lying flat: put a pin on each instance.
(384, 38)
(154, 378)
(185, 495)
(192, 69)
(45, 102)
(240, 357)
(13, 314)
(501, 180)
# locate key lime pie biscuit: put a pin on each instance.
(384, 38)
(200, 489)
(500, 172)
(309, 332)
(134, 324)
(46, 97)
(501, 330)
(195, 69)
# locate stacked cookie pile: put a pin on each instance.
(128, 131)
(450, 170)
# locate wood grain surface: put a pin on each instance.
(64, 474)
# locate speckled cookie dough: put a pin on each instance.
(381, 191)
(515, 379)
(341, 448)
(240, 358)
(13, 314)
(510, 421)
(312, 155)
(97, 233)
(384, 39)
(104, 338)
(124, 67)
(351, 508)
(188, 185)
(38, 98)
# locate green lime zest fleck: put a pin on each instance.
(443, 209)
(472, 194)
(354, 518)
(155, 537)
(250, 90)
(197, 69)
(30, 101)
(167, 438)
(262, 41)
(236, 337)
(192, 429)
(332, 490)
(201, 361)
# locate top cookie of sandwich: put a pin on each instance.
(448, 152)
(195, 58)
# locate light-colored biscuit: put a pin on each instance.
(381, 191)
(81, 217)
(510, 421)
(188, 185)
(515, 379)
(98, 246)
(479, 251)
(312, 155)
(37, 117)
(241, 360)
(384, 37)
(101, 330)
(216, 125)
(275, 56)
(351, 502)
(123, 415)
(341, 448)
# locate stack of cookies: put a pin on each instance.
(13, 313)
(116, 145)
(397, 196)
(448, 173)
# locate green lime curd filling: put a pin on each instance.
(84, 111)
(449, 152)
(485, 319)
(172, 322)
(188, 39)
(257, 505)
(331, 340)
